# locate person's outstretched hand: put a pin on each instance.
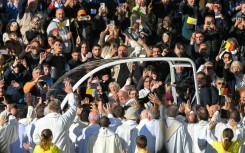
(68, 88)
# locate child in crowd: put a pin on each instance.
(46, 145)
(141, 143)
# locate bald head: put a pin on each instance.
(144, 114)
(93, 117)
(60, 14)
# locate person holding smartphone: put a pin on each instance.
(212, 35)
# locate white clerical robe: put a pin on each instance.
(142, 123)
(128, 133)
(114, 122)
(180, 142)
(194, 132)
(104, 141)
(9, 133)
(202, 141)
(59, 125)
(82, 140)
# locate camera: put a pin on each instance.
(84, 18)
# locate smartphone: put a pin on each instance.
(112, 22)
(86, 106)
(102, 5)
(217, 14)
(159, 20)
(84, 18)
(94, 85)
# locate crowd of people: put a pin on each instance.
(128, 107)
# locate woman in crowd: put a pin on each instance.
(227, 145)
(46, 144)
(12, 27)
(113, 90)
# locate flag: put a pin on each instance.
(229, 46)
(223, 91)
(64, 23)
(135, 27)
(191, 20)
(89, 91)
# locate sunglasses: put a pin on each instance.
(219, 83)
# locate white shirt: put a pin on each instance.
(127, 133)
(58, 124)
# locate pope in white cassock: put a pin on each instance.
(172, 133)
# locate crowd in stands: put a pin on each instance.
(130, 107)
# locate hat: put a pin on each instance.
(168, 96)
(131, 114)
(81, 12)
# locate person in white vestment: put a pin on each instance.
(195, 128)
(148, 129)
(218, 131)
(143, 119)
(117, 118)
(92, 128)
(124, 98)
(9, 130)
(172, 133)
(58, 123)
(105, 140)
(127, 131)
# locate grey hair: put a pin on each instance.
(116, 84)
(54, 105)
(154, 114)
(94, 118)
(172, 110)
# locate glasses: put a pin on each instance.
(219, 83)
